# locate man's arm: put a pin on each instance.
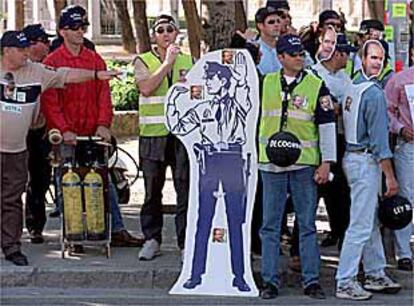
(390, 181)
(325, 118)
(148, 86)
(393, 96)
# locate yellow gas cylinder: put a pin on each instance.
(72, 205)
(94, 205)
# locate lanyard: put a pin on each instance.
(287, 89)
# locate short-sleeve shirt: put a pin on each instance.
(19, 101)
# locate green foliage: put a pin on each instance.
(124, 92)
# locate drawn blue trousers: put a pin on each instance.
(225, 166)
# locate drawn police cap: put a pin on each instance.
(283, 149)
(395, 212)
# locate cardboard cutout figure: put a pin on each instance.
(218, 129)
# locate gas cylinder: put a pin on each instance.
(94, 205)
(72, 205)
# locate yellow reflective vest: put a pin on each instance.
(300, 116)
(151, 109)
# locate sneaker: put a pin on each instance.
(150, 250)
(382, 284)
(269, 291)
(55, 213)
(352, 290)
(17, 258)
(405, 264)
(315, 291)
(124, 239)
(36, 237)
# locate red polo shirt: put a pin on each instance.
(80, 107)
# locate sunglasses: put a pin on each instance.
(84, 28)
(296, 54)
(272, 21)
(161, 30)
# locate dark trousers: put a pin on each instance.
(154, 179)
(13, 183)
(226, 168)
(39, 179)
(336, 195)
(256, 245)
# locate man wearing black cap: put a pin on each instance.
(155, 72)
(336, 193)
(83, 109)
(304, 109)
(21, 82)
(58, 41)
(38, 147)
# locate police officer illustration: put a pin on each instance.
(221, 122)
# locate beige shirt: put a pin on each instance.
(19, 101)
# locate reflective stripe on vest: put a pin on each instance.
(151, 109)
(300, 120)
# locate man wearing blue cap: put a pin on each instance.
(301, 106)
(38, 147)
(21, 82)
(336, 193)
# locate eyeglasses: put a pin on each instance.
(161, 30)
(272, 21)
(296, 54)
(84, 28)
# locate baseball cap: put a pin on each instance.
(327, 14)
(278, 4)
(368, 24)
(35, 32)
(263, 12)
(343, 45)
(289, 43)
(164, 19)
(15, 39)
(73, 15)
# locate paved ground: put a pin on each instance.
(92, 279)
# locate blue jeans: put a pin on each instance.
(404, 165)
(303, 192)
(117, 223)
(362, 238)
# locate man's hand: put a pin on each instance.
(171, 54)
(249, 34)
(69, 138)
(407, 133)
(104, 75)
(322, 173)
(392, 186)
(104, 132)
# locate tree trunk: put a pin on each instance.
(241, 20)
(19, 11)
(128, 40)
(193, 27)
(376, 9)
(59, 5)
(218, 23)
(141, 26)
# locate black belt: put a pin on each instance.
(363, 150)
